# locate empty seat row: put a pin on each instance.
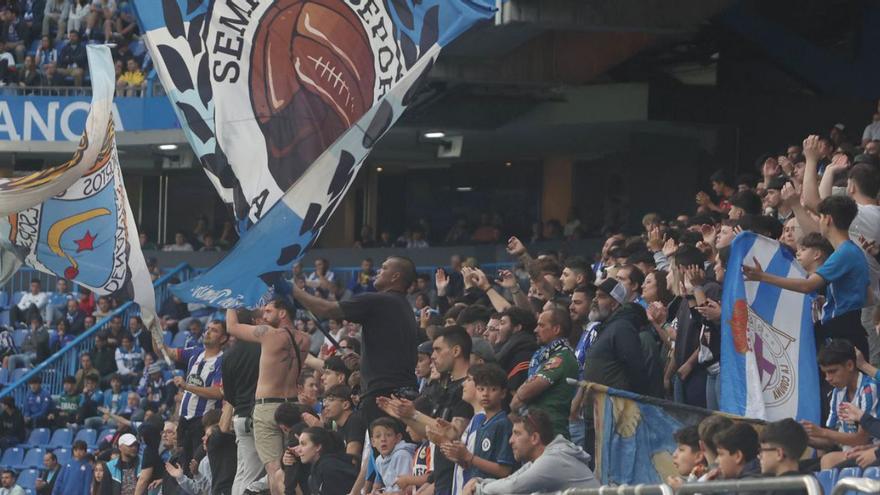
(829, 477)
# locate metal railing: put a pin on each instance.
(66, 361)
(863, 485)
(785, 483)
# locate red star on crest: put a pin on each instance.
(87, 243)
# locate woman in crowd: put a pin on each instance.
(332, 470)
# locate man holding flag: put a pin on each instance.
(845, 273)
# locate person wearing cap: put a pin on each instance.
(773, 204)
(124, 473)
(75, 477)
(552, 364)
(339, 410)
(481, 352)
(615, 357)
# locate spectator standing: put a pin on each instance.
(201, 387)
(549, 462)
(124, 472)
(32, 303)
(75, 477)
(386, 317)
(553, 363)
(240, 369)
(281, 345)
(72, 61)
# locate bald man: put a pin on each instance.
(389, 331)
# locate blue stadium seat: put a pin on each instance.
(17, 373)
(11, 457)
(18, 337)
(39, 438)
(104, 433)
(872, 472)
(850, 472)
(62, 437)
(179, 339)
(4, 299)
(4, 376)
(63, 455)
(27, 479)
(167, 337)
(827, 478)
(16, 297)
(33, 459)
(87, 435)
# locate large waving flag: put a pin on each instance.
(767, 340)
(282, 101)
(86, 233)
(263, 88)
(26, 191)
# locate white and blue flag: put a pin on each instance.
(768, 349)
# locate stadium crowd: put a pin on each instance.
(461, 381)
(43, 43)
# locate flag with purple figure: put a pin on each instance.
(282, 100)
(767, 341)
(86, 233)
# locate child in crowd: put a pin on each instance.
(688, 457)
(484, 450)
(837, 361)
(782, 445)
(395, 455)
(812, 251)
(423, 460)
(707, 429)
(737, 448)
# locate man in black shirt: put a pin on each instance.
(339, 409)
(389, 331)
(241, 365)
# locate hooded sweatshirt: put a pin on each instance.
(562, 465)
(75, 478)
(399, 463)
(615, 359)
(334, 473)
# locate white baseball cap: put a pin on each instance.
(128, 440)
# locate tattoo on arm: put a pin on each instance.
(261, 330)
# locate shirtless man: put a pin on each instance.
(284, 351)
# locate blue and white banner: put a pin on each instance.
(247, 275)
(86, 233)
(767, 340)
(18, 193)
(63, 118)
(264, 87)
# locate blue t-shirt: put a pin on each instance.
(493, 443)
(846, 273)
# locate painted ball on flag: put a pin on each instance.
(311, 78)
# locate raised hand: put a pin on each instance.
(811, 148)
(708, 232)
(515, 247)
(657, 313)
(506, 279)
(441, 280)
(753, 273)
(655, 239)
(710, 311)
(849, 412)
(669, 247)
(790, 195)
(481, 280)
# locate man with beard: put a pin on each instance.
(551, 366)
(579, 310)
(516, 344)
(282, 355)
(615, 357)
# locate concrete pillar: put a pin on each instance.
(556, 191)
